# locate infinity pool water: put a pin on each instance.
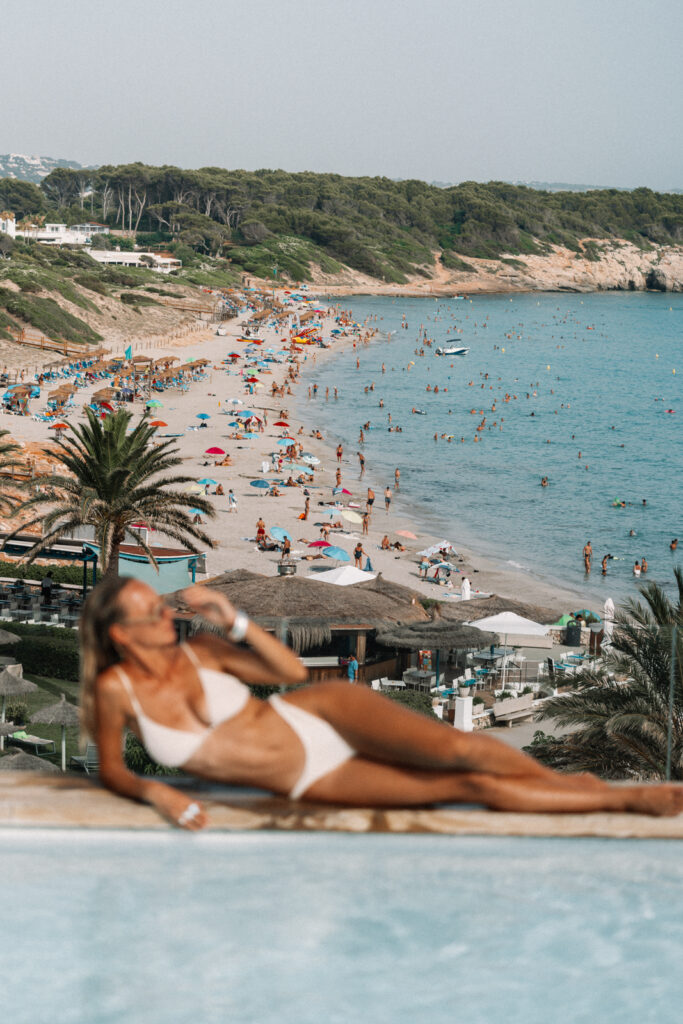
(123, 928)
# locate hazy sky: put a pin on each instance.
(583, 91)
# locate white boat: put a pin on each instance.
(451, 350)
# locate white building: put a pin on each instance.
(145, 260)
(60, 234)
(8, 224)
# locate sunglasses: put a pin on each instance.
(154, 616)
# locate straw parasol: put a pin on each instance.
(440, 635)
(104, 395)
(23, 762)
(483, 607)
(12, 684)
(58, 714)
(8, 638)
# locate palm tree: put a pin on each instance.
(112, 481)
(622, 727)
(9, 452)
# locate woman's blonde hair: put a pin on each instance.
(100, 611)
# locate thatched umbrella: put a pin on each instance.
(7, 728)
(23, 762)
(58, 714)
(481, 607)
(104, 395)
(8, 638)
(12, 684)
(440, 635)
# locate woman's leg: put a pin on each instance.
(382, 730)
(360, 782)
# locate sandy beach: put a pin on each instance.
(234, 532)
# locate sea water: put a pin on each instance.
(591, 380)
(107, 928)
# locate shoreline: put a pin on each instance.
(232, 531)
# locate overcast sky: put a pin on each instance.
(582, 91)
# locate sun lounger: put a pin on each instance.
(36, 744)
(88, 762)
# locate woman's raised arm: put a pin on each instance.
(267, 662)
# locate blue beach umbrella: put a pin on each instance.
(278, 533)
(203, 416)
(196, 511)
(286, 440)
(244, 412)
(208, 480)
(337, 553)
(259, 483)
(249, 437)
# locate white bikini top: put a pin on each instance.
(225, 697)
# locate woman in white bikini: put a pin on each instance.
(329, 742)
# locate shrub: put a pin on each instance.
(47, 316)
(91, 282)
(46, 651)
(16, 711)
(135, 299)
(60, 573)
(413, 699)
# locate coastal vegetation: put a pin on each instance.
(620, 716)
(113, 480)
(269, 222)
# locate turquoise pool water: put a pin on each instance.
(121, 928)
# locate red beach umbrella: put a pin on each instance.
(281, 423)
(214, 451)
(319, 544)
(158, 423)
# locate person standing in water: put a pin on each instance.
(587, 556)
(397, 478)
(387, 498)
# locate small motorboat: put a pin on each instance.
(451, 350)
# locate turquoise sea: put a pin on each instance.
(592, 374)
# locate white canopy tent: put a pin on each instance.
(343, 576)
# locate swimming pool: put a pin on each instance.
(121, 928)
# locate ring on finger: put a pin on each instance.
(189, 814)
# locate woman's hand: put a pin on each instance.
(176, 807)
(212, 605)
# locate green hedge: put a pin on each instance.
(45, 650)
(60, 573)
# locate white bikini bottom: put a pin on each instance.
(324, 748)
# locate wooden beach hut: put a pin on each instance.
(320, 621)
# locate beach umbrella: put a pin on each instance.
(158, 423)
(214, 451)
(58, 714)
(207, 480)
(12, 684)
(281, 423)
(194, 489)
(234, 401)
(59, 426)
(337, 553)
(278, 533)
(154, 404)
(251, 380)
(310, 459)
(319, 544)
(203, 416)
(197, 512)
(351, 517)
(340, 490)
(508, 624)
(405, 533)
(23, 762)
(244, 412)
(286, 440)
(249, 436)
(259, 483)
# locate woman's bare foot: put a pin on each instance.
(664, 800)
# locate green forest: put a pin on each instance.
(275, 224)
